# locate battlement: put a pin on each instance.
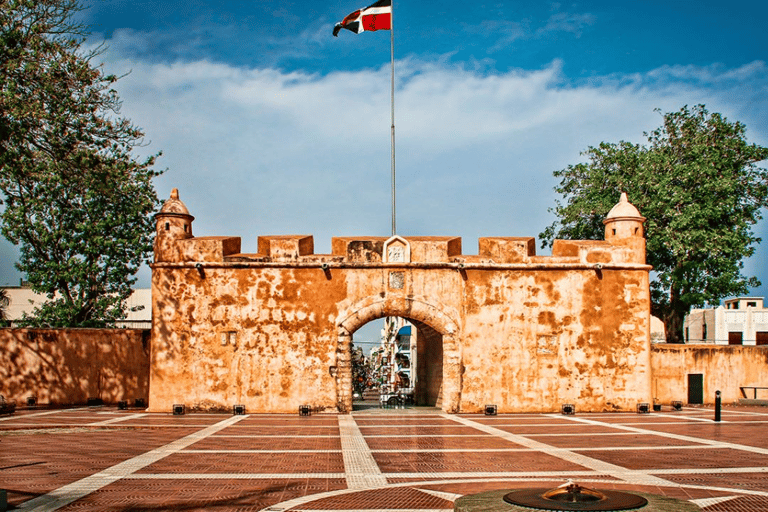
(624, 244)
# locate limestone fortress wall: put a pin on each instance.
(273, 330)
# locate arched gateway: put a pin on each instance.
(273, 330)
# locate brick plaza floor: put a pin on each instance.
(102, 459)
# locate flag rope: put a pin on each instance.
(392, 108)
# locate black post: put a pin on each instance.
(718, 404)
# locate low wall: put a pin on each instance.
(69, 366)
(724, 368)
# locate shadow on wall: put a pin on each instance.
(71, 366)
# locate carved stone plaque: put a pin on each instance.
(397, 280)
(396, 254)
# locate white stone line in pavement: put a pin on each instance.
(554, 449)
(359, 465)
(708, 502)
(679, 437)
(232, 476)
(710, 471)
(261, 451)
(638, 477)
(448, 496)
(687, 418)
(431, 436)
(274, 437)
(69, 493)
(430, 476)
(125, 417)
(581, 434)
(31, 415)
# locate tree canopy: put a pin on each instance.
(75, 199)
(698, 183)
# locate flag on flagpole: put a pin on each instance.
(374, 17)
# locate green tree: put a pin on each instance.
(76, 201)
(697, 183)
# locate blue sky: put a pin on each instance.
(270, 125)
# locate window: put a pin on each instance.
(751, 304)
(229, 337)
(167, 226)
(735, 338)
(703, 332)
(761, 338)
(687, 335)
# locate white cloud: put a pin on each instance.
(262, 151)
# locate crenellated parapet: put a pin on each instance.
(624, 244)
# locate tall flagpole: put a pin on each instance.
(392, 104)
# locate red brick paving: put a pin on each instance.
(40, 453)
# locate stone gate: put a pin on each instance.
(527, 333)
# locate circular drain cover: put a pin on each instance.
(575, 497)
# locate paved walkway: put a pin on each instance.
(372, 460)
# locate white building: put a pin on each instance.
(24, 300)
(739, 321)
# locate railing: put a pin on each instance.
(753, 388)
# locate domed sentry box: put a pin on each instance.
(569, 497)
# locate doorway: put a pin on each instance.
(695, 388)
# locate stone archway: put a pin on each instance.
(416, 309)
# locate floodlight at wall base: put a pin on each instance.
(31, 401)
(568, 409)
(491, 410)
(677, 406)
(139, 402)
(122, 405)
(305, 410)
(643, 408)
(238, 409)
(178, 409)
(94, 401)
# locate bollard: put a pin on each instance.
(718, 404)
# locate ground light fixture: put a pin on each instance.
(568, 409)
(305, 410)
(178, 409)
(238, 409)
(491, 410)
(31, 401)
(122, 405)
(643, 408)
(677, 406)
(139, 402)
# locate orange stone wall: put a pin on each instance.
(725, 368)
(69, 366)
(273, 330)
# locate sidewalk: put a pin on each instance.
(103, 459)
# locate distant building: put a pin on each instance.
(24, 300)
(739, 321)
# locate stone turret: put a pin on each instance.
(624, 226)
(173, 223)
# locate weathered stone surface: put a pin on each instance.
(525, 332)
(725, 368)
(69, 366)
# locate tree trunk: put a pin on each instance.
(674, 317)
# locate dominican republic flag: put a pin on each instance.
(374, 17)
